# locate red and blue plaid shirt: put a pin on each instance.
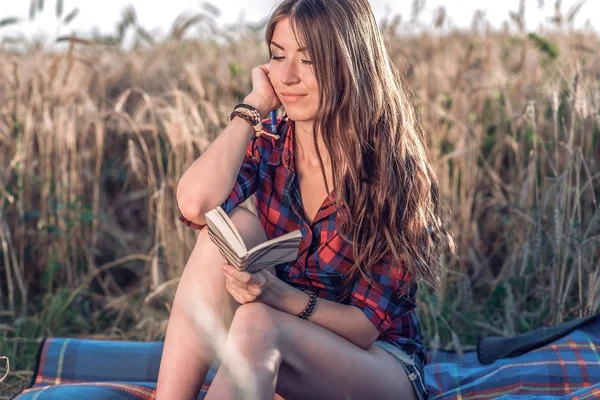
(324, 259)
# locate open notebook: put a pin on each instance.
(227, 238)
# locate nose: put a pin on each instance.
(289, 73)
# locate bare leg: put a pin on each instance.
(187, 353)
(301, 360)
(251, 341)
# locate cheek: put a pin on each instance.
(274, 70)
(311, 83)
(313, 89)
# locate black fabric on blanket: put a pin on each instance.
(493, 348)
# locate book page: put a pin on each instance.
(279, 250)
(277, 253)
(221, 226)
(231, 226)
(225, 236)
(290, 236)
(226, 251)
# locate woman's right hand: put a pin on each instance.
(263, 96)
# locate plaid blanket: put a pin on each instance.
(566, 368)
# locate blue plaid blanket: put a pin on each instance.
(568, 367)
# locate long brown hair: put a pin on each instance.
(386, 193)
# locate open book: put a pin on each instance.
(227, 238)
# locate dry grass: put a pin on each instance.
(93, 141)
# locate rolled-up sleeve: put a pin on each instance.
(246, 183)
(380, 299)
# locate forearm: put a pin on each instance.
(344, 320)
(209, 180)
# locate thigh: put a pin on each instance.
(202, 283)
(249, 226)
(320, 364)
(201, 315)
(206, 256)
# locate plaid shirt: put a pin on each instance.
(324, 259)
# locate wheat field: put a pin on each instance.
(94, 137)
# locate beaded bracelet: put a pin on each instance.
(312, 302)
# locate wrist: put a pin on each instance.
(271, 291)
(310, 307)
(284, 297)
(257, 102)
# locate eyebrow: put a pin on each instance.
(300, 49)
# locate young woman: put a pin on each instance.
(350, 170)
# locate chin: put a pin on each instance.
(299, 115)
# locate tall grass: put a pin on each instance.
(93, 141)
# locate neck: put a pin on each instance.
(305, 149)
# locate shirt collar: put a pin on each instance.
(284, 152)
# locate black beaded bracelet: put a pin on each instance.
(312, 302)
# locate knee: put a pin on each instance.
(255, 322)
(253, 341)
(254, 334)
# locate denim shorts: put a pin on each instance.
(411, 364)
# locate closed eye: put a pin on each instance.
(308, 62)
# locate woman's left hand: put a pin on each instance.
(246, 287)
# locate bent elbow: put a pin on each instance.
(366, 339)
(370, 335)
(190, 208)
(190, 213)
(366, 343)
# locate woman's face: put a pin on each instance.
(292, 75)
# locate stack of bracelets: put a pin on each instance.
(252, 116)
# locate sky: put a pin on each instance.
(157, 16)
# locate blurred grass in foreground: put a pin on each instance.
(94, 139)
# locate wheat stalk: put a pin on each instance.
(7, 368)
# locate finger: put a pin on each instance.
(242, 276)
(231, 281)
(232, 291)
(229, 269)
(237, 294)
(234, 281)
(237, 284)
(250, 292)
(253, 290)
(259, 72)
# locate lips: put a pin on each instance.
(292, 97)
